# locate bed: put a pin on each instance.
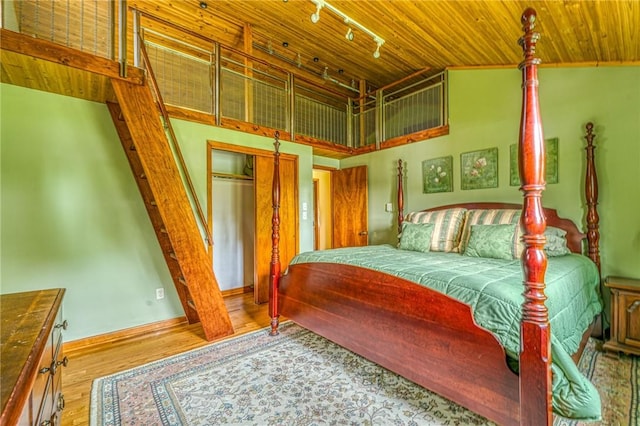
(503, 372)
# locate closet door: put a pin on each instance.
(263, 175)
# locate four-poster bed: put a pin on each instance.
(434, 339)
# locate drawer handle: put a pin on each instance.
(63, 325)
(52, 421)
(64, 362)
(54, 366)
(61, 402)
(633, 306)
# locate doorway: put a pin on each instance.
(322, 211)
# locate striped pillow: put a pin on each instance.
(447, 225)
(493, 217)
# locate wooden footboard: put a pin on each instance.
(411, 330)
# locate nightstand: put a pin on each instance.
(625, 315)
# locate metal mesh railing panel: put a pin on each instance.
(320, 121)
(184, 80)
(415, 112)
(269, 105)
(232, 98)
(82, 25)
(369, 128)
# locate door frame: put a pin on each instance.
(224, 146)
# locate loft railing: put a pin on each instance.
(93, 26)
(264, 95)
(199, 74)
(414, 108)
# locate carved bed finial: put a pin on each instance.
(591, 194)
(274, 278)
(530, 38)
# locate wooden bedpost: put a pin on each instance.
(535, 333)
(274, 278)
(591, 193)
(400, 197)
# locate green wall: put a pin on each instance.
(484, 108)
(71, 214)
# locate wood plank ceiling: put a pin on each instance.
(417, 34)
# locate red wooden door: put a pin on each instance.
(350, 207)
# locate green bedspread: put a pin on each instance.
(493, 288)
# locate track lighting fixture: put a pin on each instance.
(323, 4)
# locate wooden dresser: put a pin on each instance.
(31, 354)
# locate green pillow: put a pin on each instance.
(494, 241)
(416, 236)
(556, 242)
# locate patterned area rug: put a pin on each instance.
(299, 378)
(618, 383)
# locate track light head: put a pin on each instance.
(315, 17)
(379, 43)
(350, 35)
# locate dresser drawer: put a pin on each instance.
(625, 315)
(44, 416)
(629, 319)
(42, 385)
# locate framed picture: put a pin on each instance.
(437, 175)
(551, 166)
(479, 169)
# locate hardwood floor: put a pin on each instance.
(87, 364)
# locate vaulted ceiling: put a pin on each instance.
(417, 34)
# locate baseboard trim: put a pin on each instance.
(236, 291)
(123, 334)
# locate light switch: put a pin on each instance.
(388, 207)
(304, 207)
(304, 215)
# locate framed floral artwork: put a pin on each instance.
(551, 166)
(437, 175)
(479, 169)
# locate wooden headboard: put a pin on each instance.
(574, 236)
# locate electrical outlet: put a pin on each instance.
(159, 293)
